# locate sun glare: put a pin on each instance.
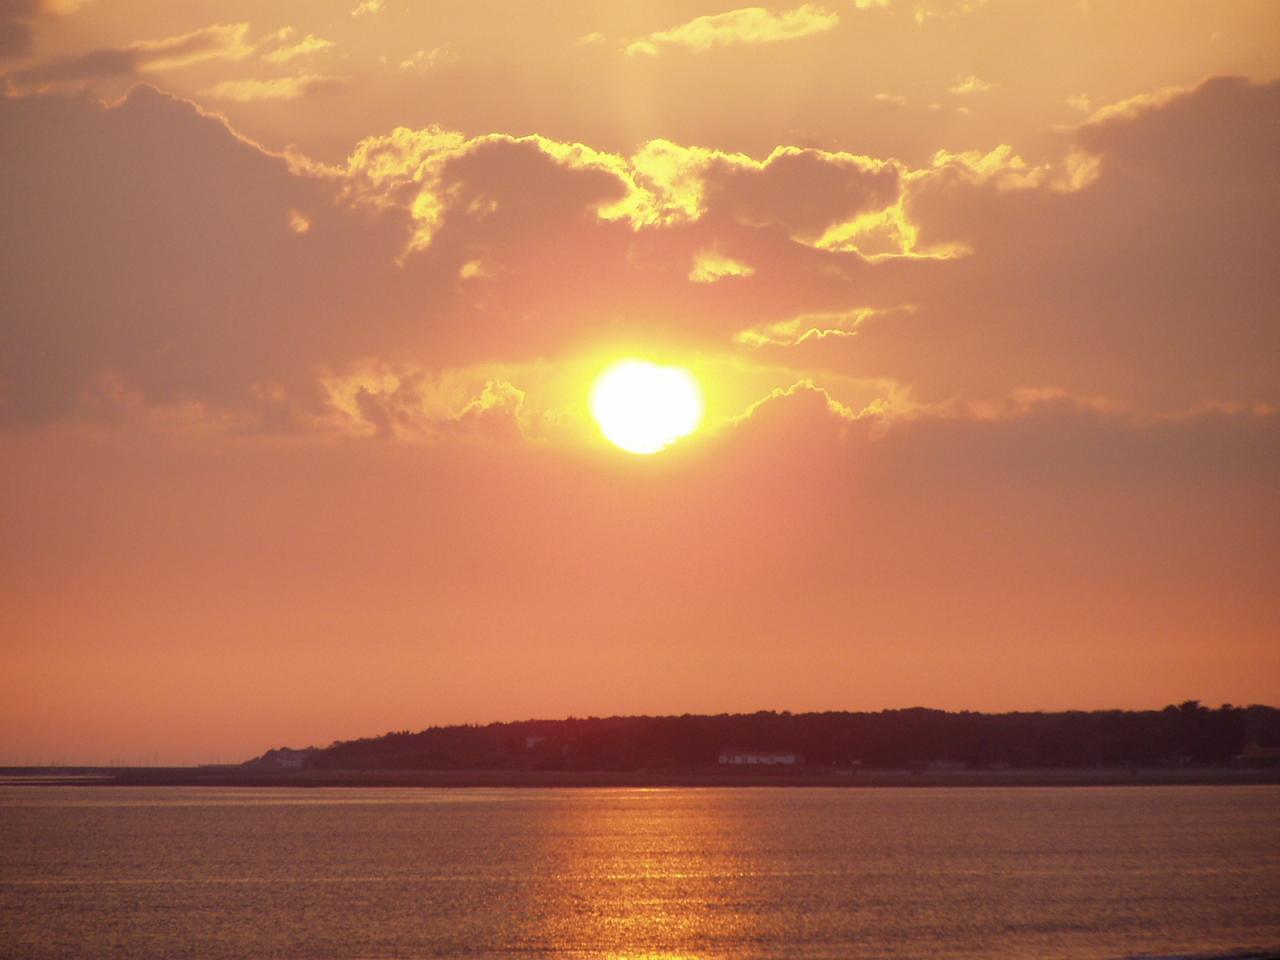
(644, 408)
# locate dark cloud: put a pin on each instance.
(15, 27)
(1153, 283)
(156, 250)
(162, 257)
(222, 40)
(806, 191)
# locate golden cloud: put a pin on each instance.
(425, 61)
(307, 45)
(806, 327)
(944, 9)
(277, 88)
(372, 400)
(710, 266)
(967, 84)
(220, 41)
(430, 243)
(750, 25)
(808, 191)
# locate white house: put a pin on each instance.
(758, 758)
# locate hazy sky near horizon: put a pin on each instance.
(301, 304)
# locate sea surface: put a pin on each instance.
(303, 873)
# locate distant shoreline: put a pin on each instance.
(706, 777)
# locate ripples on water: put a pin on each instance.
(626, 873)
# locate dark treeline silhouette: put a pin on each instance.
(1188, 734)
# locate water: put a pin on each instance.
(626, 873)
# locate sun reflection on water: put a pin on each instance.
(665, 885)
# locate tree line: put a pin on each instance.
(1186, 734)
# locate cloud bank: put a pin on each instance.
(964, 281)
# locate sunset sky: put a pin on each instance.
(302, 305)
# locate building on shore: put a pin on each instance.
(759, 758)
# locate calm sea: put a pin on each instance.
(626, 873)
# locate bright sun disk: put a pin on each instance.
(643, 408)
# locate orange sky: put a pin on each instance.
(302, 303)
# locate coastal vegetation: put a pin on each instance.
(1188, 734)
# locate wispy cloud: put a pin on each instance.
(307, 45)
(967, 84)
(220, 41)
(750, 25)
(710, 266)
(941, 9)
(366, 7)
(424, 61)
(277, 88)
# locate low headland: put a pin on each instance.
(1184, 744)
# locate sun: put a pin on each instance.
(644, 408)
